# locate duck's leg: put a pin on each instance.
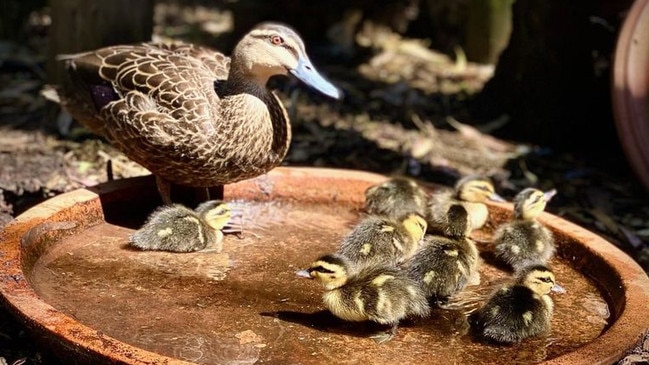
(215, 192)
(164, 189)
(201, 195)
(386, 336)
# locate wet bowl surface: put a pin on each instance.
(68, 272)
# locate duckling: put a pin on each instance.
(381, 294)
(524, 241)
(471, 191)
(518, 310)
(381, 240)
(177, 228)
(395, 198)
(444, 265)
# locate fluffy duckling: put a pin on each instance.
(177, 228)
(444, 265)
(380, 294)
(379, 240)
(471, 191)
(518, 310)
(524, 241)
(395, 198)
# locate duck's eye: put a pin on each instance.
(277, 40)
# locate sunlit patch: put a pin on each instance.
(527, 317)
(397, 244)
(366, 248)
(165, 232)
(461, 267)
(495, 310)
(381, 279)
(387, 228)
(412, 290)
(191, 219)
(381, 302)
(452, 253)
(429, 276)
(359, 302)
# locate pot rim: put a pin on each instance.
(21, 299)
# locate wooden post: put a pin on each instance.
(83, 25)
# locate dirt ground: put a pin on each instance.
(404, 114)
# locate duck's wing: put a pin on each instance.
(174, 76)
(153, 99)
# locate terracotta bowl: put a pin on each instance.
(68, 274)
(631, 88)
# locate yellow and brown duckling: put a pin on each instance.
(518, 310)
(524, 240)
(177, 228)
(395, 198)
(379, 240)
(445, 265)
(380, 294)
(157, 103)
(472, 192)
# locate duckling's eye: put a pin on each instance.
(546, 280)
(277, 40)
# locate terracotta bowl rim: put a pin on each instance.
(21, 299)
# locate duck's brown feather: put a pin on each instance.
(157, 104)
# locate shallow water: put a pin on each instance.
(245, 305)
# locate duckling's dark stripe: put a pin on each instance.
(321, 269)
(333, 259)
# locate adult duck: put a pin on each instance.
(160, 104)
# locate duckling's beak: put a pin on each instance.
(558, 289)
(497, 198)
(303, 274)
(549, 194)
(310, 76)
(234, 223)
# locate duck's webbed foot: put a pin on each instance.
(383, 337)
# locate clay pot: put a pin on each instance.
(69, 275)
(630, 90)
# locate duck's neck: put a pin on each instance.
(250, 91)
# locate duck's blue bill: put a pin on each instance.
(310, 76)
